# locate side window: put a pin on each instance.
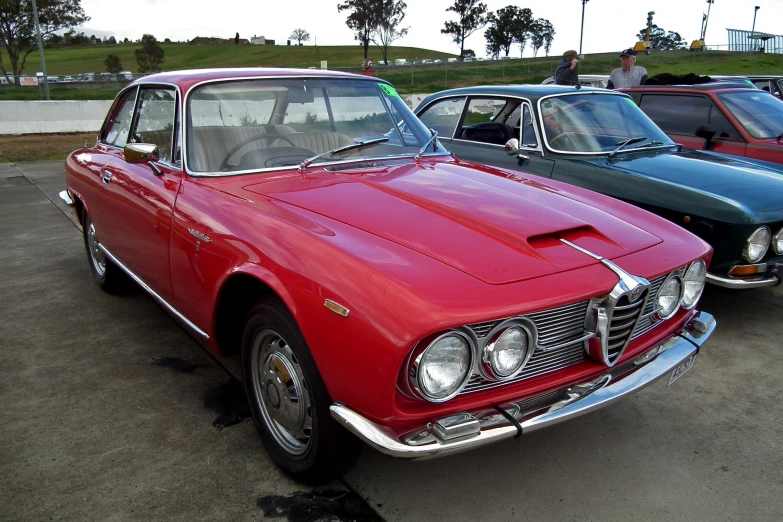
(528, 131)
(677, 114)
(116, 132)
(723, 127)
(155, 119)
(443, 117)
(482, 122)
(762, 84)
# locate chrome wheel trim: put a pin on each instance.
(96, 254)
(280, 391)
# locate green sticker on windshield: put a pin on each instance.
(630, 102)
(389, 90)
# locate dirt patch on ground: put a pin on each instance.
(34, 147)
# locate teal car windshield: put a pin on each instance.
(761, 114)
(277, 123)
(595, 123)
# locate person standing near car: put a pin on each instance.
(629, 74)
(567, 73)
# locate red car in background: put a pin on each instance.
(730, 120)
(308, 227)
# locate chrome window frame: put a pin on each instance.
(185, 113)
(469, 97)
(459, 118)
(605, 92)
(177, 117)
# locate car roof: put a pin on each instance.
(714, 86)
(186, 79)
(532, 91)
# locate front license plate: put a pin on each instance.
(682, 369)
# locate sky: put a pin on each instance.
(610, 25)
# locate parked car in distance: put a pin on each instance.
(600, 140)
(427, 61)
(452, 60)
(737, 121)
(438, 61)
(400, 61)
(588, 80)
(770, 83)
(362, 280)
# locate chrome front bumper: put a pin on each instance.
(435, 439)
(737, 283)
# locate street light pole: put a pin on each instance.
(581, 35)
(753, 31)
(40, 50)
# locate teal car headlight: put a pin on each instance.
(757, 245)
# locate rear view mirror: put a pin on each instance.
(300, 95)
(138, 152)
(706, 132)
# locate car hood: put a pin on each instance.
(497, 227)
(756, 186)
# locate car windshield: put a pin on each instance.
(596, 123)
(248, 125)
(761, 114)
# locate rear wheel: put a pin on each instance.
(288, 399)
(108, 275)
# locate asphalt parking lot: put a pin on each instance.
(109, 411)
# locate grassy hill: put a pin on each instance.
(416, 79)
(75, 60)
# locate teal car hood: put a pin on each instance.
(752, 185)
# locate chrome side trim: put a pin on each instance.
(730, 282)
(66, 197)
(162, 302)
(577, 400)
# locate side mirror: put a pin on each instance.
(138, 152)
(706, 132)
(512, 146)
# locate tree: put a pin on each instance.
(363, 19)
(111, 40)
(661, 39)
(472, 17)
(113, 64)
(300, 35)
(522, 27)
(505, 25)
(390, 15)
(150, 56)
(537, 35)
(125, 40)
(17, 30)
(236, 39)
(549, 34)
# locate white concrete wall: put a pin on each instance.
(35, 117)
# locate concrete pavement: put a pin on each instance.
(108, 411)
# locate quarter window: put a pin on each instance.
(117, 128)
(443, 117)
(155, 120)
(528, 132)
(485, 121)
(677, 114)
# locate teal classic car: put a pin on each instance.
(602, 141)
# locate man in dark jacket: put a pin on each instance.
(567, 72)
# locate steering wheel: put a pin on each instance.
(251, 139)
(569, 135)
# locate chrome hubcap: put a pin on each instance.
(96, 254)
(281, 392)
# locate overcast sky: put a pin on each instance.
(610, 25)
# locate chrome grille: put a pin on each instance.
(560, 343)
(648, 320)
(622, 324)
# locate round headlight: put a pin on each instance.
(507, 353)
(756, 245)
(693, 284)
(444, 367)
(777, 242)
(669, 297)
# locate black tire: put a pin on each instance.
(308, 445)
(108, 275)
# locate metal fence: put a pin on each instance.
(739, 41)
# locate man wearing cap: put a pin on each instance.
(629, 75)
(567, 73)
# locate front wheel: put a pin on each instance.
(108, 275)
(288, 399)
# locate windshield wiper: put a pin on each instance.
(357, 145)
(434, 137)
(654, 144)
(629, 141)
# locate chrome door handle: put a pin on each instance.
(523, 157)
(106, 177)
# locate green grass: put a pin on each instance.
(424, 79)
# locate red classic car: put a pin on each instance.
(713, 116)
(308, 226)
